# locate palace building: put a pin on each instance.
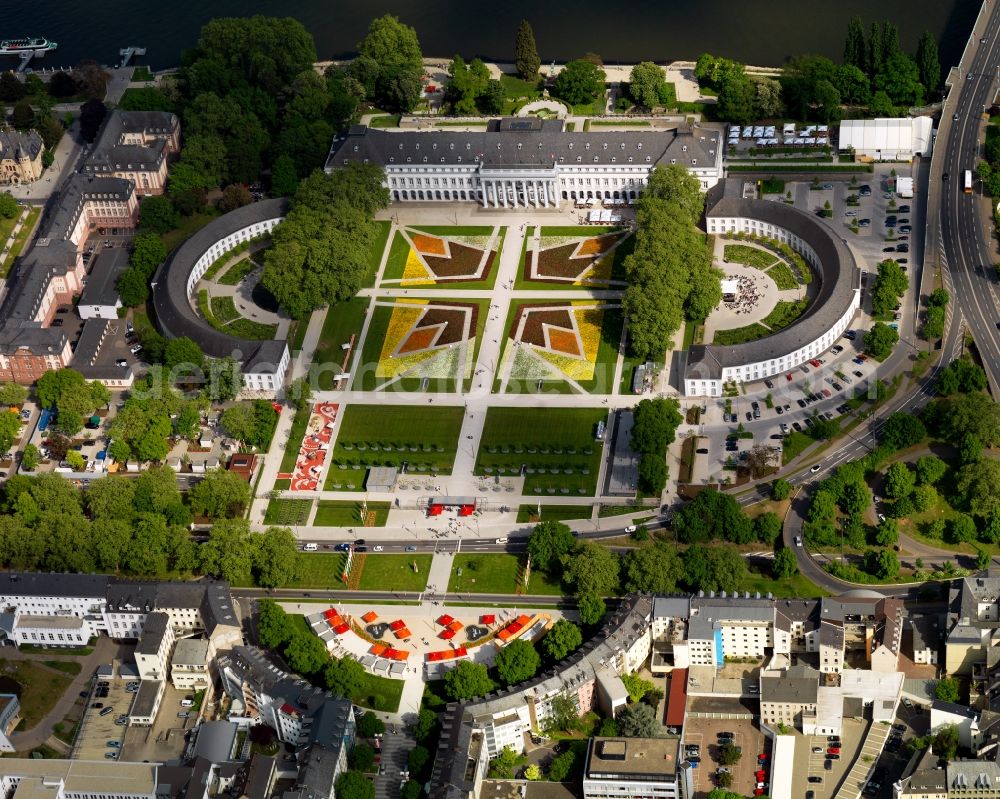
(527, 162)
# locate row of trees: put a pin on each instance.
(136, 526)
(890, 285)
(670, 272)
(654, 428)
(876, 77)
(933, 324)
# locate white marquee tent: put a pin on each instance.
(887, 139)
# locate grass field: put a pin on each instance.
(20, 241)
(750, 256)
(739, 335)
(375, 256)
(288, 511)
(551, 441)
(495, 574)
(65, 666)
(41, 687)
(237, 272)
(793, 445)
(342, 321)
(334, 513)
(794, 586)
(425, 436)
(453, 230)
(398, 253)
(298, 429)
(783, 276)
(224, 310)
(381, 572)
(784, 313)
(553, 513)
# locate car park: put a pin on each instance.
(837, 350)
(779, 410)
(815, 778)
(904, 247)
(702, 451)
(888, 249)
(832, 756)
(107, 710)
(905, 229)
(111, 755)
(817, 750)
(828, 765)
(135, 349)
(904, 209)
(121, 362)
(850, 335)
(864, 223)
(790, 377)
(769, 384)
(797, 426)
(865, 191)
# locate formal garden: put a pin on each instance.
(461, 257)
(556, 447)
(574, 257)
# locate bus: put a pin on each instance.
(967, 181)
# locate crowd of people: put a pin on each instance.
(748, 294)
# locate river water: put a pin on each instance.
(765, 32)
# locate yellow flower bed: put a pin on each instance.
(393, 367)
(415, 273)
(404, 317)
(597, 272)
(573, 368)
(588, 322)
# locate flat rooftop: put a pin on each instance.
(88, 776)
(50, 622)
(623, 756)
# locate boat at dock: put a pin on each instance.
(36, 46)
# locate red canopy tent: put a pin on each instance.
(445, 620)
(397, 625)
(435, 510)
(461, 652)
(455, 626)
(466, 510)
(447, 635)
(370, 616)
(489, 618)
(342, 628)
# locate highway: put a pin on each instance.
(966, 247)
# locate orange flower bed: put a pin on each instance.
(419, 339)
(595, 246)
(428, 244)
(563, 341)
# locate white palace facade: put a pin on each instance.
(527, 162)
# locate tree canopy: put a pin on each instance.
(467, 680)
(517, 662)
(526, 59)
(580, 82)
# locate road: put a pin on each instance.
(965, 245)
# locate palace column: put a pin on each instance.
(538, 194)
(513, 185)
(545, 185)
(483, 187)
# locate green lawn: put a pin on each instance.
(248, 328)
(793, 445)
(739, 335)
(342, 321)
(750, 256)
(495, 574)
(386, 121)
(339, 513)
(452, 230)
(398, 254)
(383, 227)
(426, 436)
(794, 586)
(622, 123)
(381, 572)
(550, 441)
(288, 511)
(224, 310)
(783, 276)
(578, 230)
(41, 688)
(784, 313)
(237, 272)
(346, 479)
(141, 74)
(516, 89)
(298, 429)
(65, 666)
(20, 241)
(553, 513)
(378, 693)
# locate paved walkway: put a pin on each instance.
(105, 651)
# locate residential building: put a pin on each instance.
(189, 664)
(527, 162)
(626, 767)
(77, 779)
(20, 157)
(10, 717)
(973, 621)
(925, 635)
(959, 779)
(790, 698)
(135, 145)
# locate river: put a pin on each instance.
(765, 32)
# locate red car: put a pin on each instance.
(760, 775)
(789, 377)
(833, 750)
(762, 756)
(814, 363)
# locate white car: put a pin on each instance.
(815, 468)
(798, 540)
(630, 529)
(502, 540)
(378, 549)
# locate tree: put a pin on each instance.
(370, 725)
(467, 680)
(234, 196)
(737, 96)
(899, 481)
(901, 430)
(411, 790)
(652, 474)
(781, 489)
(928, 64)
(503, 765)
(767, 527)
(592, 569)
(418, 758)
(636, 686)
(284, 177)
(392, 54)
(30, 458)
(561, 766)
(9, 207)
(638, 721)
(224, 380)
(961, 376)
(492, 98)
(900, 79)
(978, 485)
(10, 430)
(426, 727)
(784, 564)
(564, 714)
(275, 562)
(714, 568)
(947, 690)
(580, 82)
(183, 353)
(654, 425)
(729, 754)
(887, 533)
(221, 494)
(133, 288)
(548, 543)
(656, 569)
(362, 757)
(855, 49)
(13, 394)
(344, 677)
(562, 639)
(229, 553)
(517, 662)
(933, 326)
(882, 563)
(526, 59)
(354, 785)
(591, 608)
(532, 772)
(273, 629)
(648, 84)
(92, 115)
(823, 429)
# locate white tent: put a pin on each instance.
(886, 139)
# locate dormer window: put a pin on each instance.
(623, 145)
(355, 148)
(425, 159)
(401, 145)
(408, 159)
(442, 159)
(451, 146)
(605, 145)
(647, 159)
(595, 159)
(519, 145)
(672, 160)
(684, 148)
(571, 145)
(579, 158)
(630, 159)
(587, 145)
(468, 146)
(694, 161)
(392, 159)
(418, 145)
